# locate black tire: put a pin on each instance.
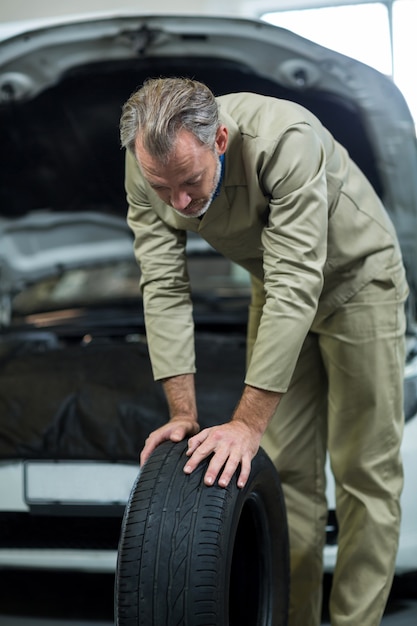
(192, 555)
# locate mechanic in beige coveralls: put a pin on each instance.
(326, 322)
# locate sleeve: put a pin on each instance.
(160, 252)
(294, 244)
(255, 313)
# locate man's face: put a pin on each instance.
(188, 180)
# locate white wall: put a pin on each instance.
(12, 10)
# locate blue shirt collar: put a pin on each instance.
(216, 193)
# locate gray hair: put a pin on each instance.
(163, 106)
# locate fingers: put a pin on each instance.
(171, 431)
(229, 449)
(196, 441)
(244, 473)
(227, 470)
(151, 443)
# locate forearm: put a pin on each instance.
(180, 394)
(256, 408)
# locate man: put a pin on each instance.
(267, 186)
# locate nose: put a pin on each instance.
(179, 200)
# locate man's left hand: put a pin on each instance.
(231, 444)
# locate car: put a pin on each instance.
(77, 397)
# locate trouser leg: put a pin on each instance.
(363, 350)
(296, 442)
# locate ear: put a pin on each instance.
(222, 136)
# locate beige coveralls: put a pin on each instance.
(326, 327)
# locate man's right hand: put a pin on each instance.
(175, 430)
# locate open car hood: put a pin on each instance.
(62, 199)
(41, 244)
